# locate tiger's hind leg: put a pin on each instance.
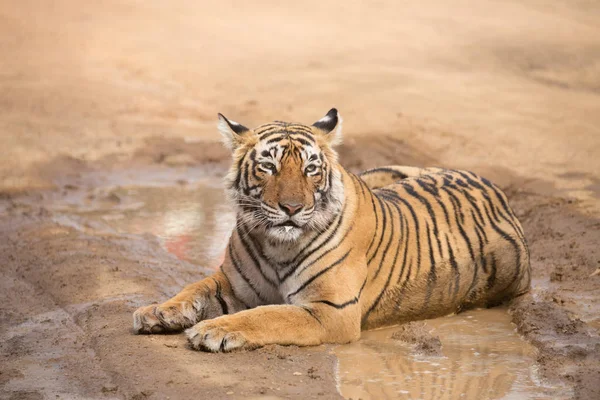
(506, 275)
(208, 298)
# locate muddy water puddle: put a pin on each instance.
(482, 356)
(191, 219)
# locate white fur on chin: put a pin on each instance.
(284, 233)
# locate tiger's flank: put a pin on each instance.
(319, 253)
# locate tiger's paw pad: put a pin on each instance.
(208, 336)
(161, 319)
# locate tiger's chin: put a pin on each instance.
(284, 233)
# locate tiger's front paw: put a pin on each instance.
(217, 335)
(163, 318)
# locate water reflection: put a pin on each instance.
(483, 358)
(192, 223)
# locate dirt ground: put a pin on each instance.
(510, 90)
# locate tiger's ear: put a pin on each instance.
(331, 127)
(232, 132)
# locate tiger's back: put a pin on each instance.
(454, 244)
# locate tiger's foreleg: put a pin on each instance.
(323, 306)
(301, 325)
(208, 298)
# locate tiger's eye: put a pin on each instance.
(269, 166)
(310, 168)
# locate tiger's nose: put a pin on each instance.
(291, 208)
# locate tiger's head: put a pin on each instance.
(285, 178)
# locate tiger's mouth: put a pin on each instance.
(285, 232)
(289, 223)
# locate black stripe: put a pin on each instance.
(363, 186)
(219, 297)
(252, 255)
(459, 219)
(414, 215)
(498, 214)
(343, 305)
(292, 127)
(436, 195)
(386, 196)
(244, 277)
(324, 253)
(383, 228)
(387, 247)
(485, 194)
(246, 182)
(473, 201)
(389, 194)
(482, 259)
(238, 177)
(506, 207)
(432, 276)
(308, 136)
(329, 178)
(258, 247)
(338, 306)
(233, 289)
(410, 264)
(362, 287)
(276, 139)
(479, 224)
(276, 130)
(411, 191)
(405, 242)
(470, 293)
(454, 266)
(356, 180)
(395, 174)
(254, 165)
(312, 314)
(509, 239)
(318, 274)
(268, 127)
(491, 281)
(301, 141)
(373, 197)
(469, 198)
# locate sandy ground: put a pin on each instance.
(510, 90)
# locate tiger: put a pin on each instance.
(319, 253)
